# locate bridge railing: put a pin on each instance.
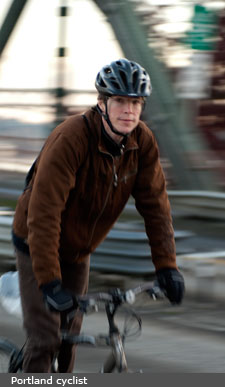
(125, 250)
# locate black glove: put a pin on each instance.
(56, 298)
(172, 281)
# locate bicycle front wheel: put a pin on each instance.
(7, 351)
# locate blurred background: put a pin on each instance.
(50, 53)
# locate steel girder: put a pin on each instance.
(10, 21)
(176, 136)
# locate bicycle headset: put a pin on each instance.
(122, 78)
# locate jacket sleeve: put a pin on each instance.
(151, 200)
(55, 176)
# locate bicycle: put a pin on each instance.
(11, 357)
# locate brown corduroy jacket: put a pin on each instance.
(78, 190)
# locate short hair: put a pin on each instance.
(102, 97)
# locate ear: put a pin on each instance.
(101, 104)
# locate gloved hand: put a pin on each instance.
(172, 281)
(56, 298)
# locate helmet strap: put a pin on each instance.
(106, 117)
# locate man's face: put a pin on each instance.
(124, 112)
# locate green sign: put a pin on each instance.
(204, 30)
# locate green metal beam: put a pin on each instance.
(176, 137)
(10, 21)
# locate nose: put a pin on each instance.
(128, 106)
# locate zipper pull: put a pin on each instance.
(115, 183)
(115, 179)
(122, 149)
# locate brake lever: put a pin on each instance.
(86, 306)
(156, 292)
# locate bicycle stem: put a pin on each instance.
(110, 312)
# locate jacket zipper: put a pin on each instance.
(115, 183)
(114, 180)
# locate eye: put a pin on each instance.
(118, 99)
(136, 101)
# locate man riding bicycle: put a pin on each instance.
(75, 191)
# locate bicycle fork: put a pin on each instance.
(117, 359)
(119, 353)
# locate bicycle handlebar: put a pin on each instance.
(118, 297)
(115, 297)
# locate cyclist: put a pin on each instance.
(75, 191)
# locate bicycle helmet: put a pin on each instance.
(125, 78)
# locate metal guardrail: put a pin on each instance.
(204, 204)
(126, 252)
(125, 249)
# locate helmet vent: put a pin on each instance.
(135, 78)
(115, 84)
(124, 79)
(102, 83)
(143, 86)
(108, 70)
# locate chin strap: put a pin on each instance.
(106, 117)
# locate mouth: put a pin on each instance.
(126, 120)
